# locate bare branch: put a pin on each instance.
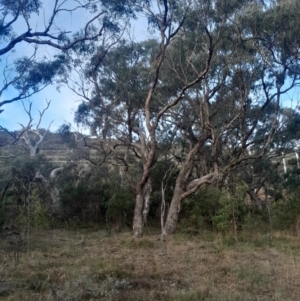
(27, 130)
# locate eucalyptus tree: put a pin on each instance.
(113, 110)
(158, 98)
(168, 81)
(238, 108)
(31, 139)
(207, 80)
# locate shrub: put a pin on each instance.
(120, 208)
(286, 211)
(214, 208)
(81, 202)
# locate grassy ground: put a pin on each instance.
(92, 265)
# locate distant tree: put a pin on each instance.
(33, 138)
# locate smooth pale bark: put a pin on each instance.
(255, 200)
(53, 190)
(141, 210)
(146, 195)
(163, 212)
(173, 214)
(55, 197)
(143, 189)
(181, 193)
(54, 172)
(138, 223)
(181, 182)
(28, 130)
(169, 27)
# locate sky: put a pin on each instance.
(63, 102)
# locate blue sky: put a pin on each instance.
(63, 102)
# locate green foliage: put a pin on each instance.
(198, 211)
(20, 188)
(15, 8)
(36, 75)
(67, 137)
(97, 198)
(123, 8)
(286, 211)
(120, 207)
(23, 172)
(80, 202)
(36, 216)
(230, 106)
(292, 180)
(123, 80)
(232, 209)
(40, 216)
(215, 208)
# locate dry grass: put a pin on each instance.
(83, 265)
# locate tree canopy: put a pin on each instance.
(204, 93)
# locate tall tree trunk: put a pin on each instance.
(146, 195)
(138, 223)
(143, 192)
(173, 214)
(141, 210)
(163, 211)
(180, 188)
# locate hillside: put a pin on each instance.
(59, 150)
(54, 148)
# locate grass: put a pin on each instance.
(92, 265)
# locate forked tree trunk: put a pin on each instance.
(53, 190)
(143, 193)
(183, 188)
(141, 210)
(255, 200)
(180, 188)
